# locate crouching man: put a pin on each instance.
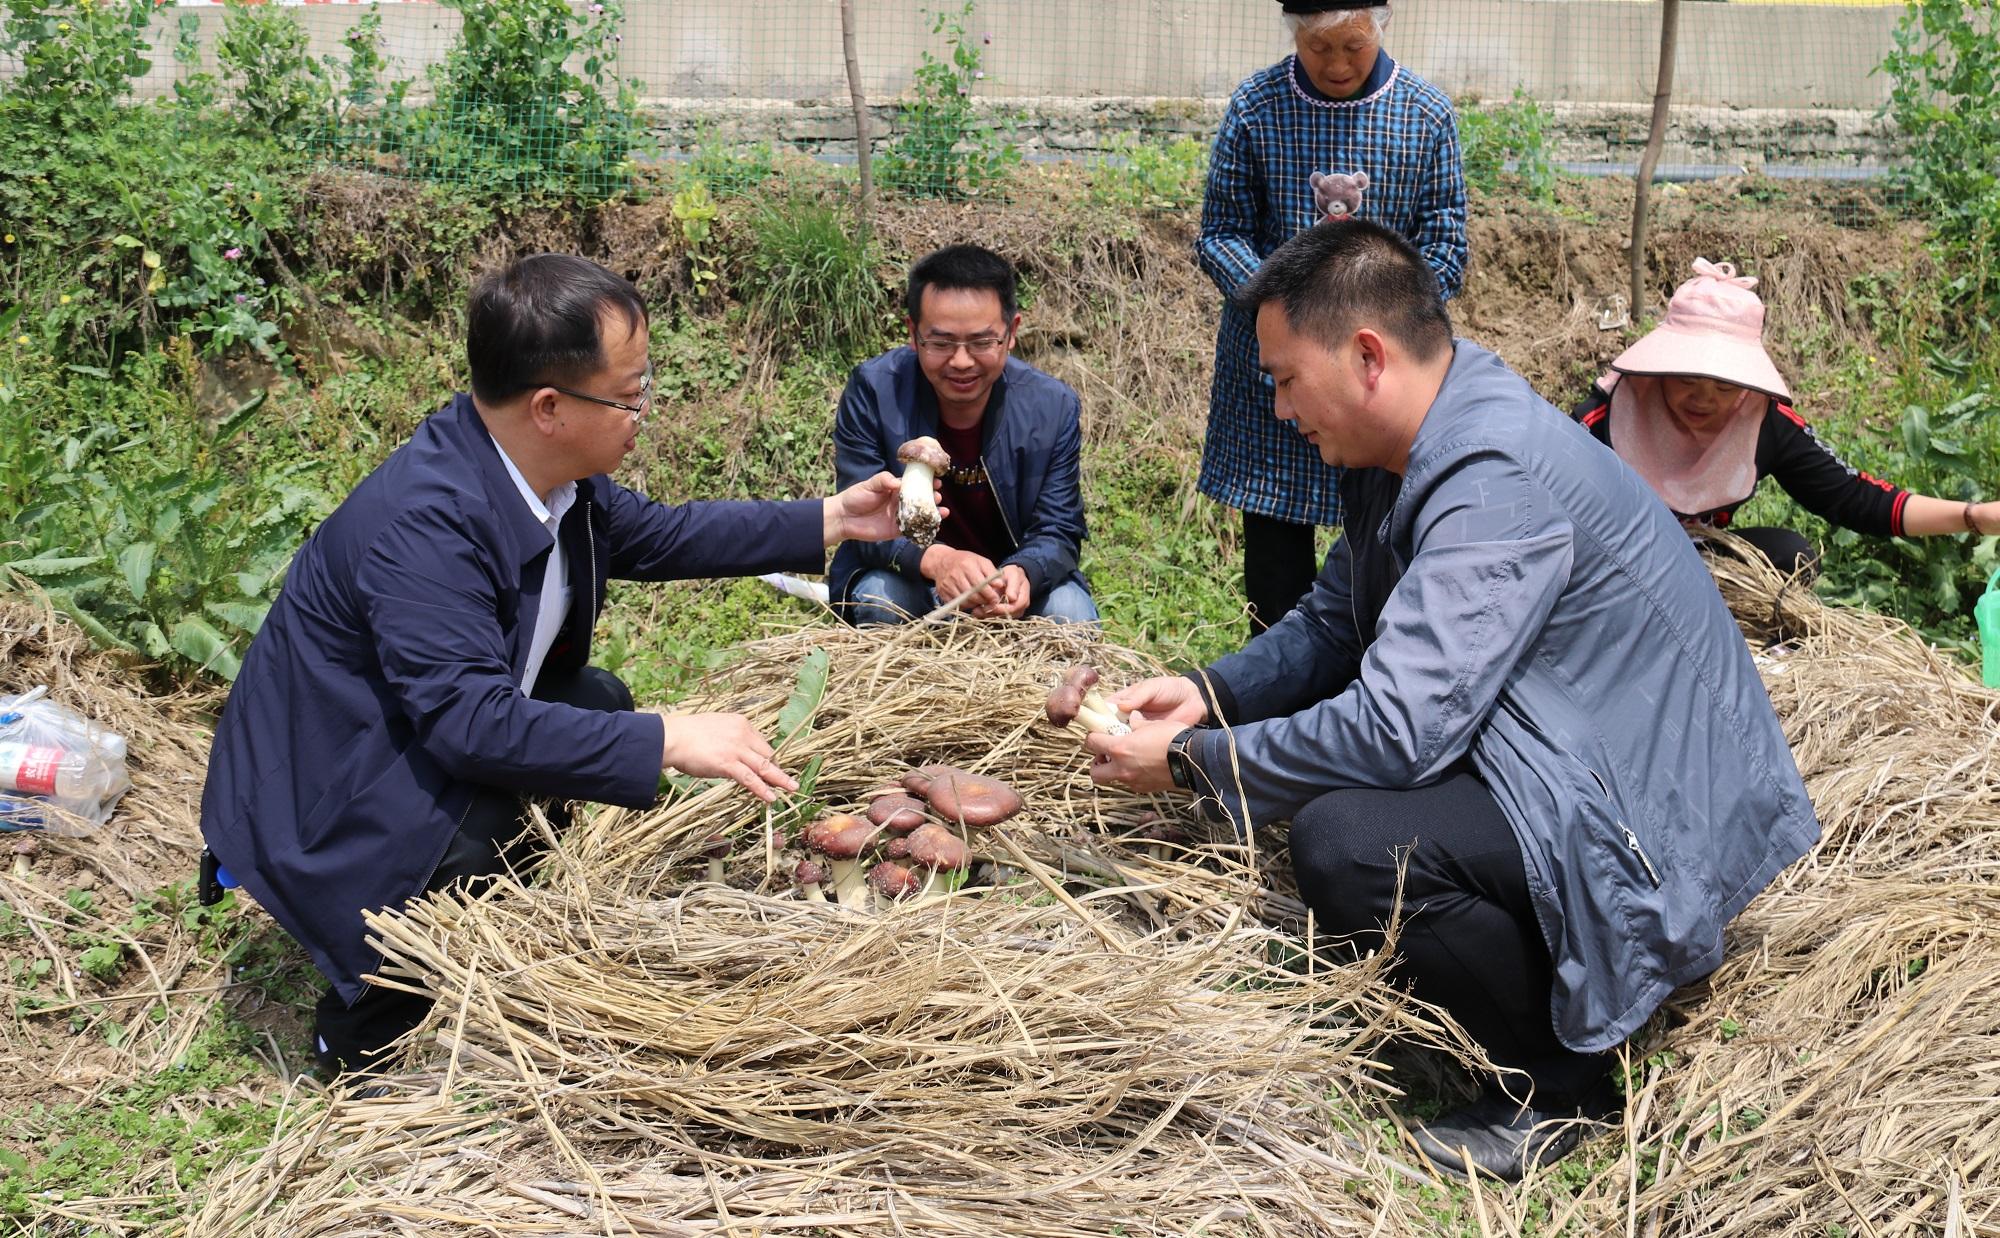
(1014, 443)
(1512, 680)
(423, 672)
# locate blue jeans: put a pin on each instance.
(883, 596)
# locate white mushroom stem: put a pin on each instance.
(715, 873)
(850, 884)
(936, 887)
(918, 495)
(813, 893)
(1097, 714)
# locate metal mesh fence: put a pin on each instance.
(557, 97)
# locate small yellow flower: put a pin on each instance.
(63, 26)
(21, 339)
(10, 238)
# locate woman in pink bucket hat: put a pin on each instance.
(1698, 410)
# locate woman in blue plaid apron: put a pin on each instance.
(1340, 105)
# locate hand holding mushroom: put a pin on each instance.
(1137, 760)
(1076, 699)
(864, 512)
(917, 512)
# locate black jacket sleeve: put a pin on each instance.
(1823, 483)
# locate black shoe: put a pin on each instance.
(1501, 1137)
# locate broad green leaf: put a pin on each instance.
(136, 562)
(67, 604)
(805, 698)
(232, 425)
(1917, 430)
(194, 639)
(247, 616)
(154, 641)
(45, 567)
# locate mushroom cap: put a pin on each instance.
(934, 846)
(926, 451)
(718, 847)
(897, 848)
(1068, 695)
(839, 836)
(892, 880)
(969, 799)
(897, 813)
(1163, 831)
(809, 873)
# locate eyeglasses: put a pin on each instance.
(638, 410)
(985, 348)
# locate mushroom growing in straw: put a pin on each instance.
(841, 839)
(968, 799)
(942, 855)
(896, 813)
(917, 514)
(892, 881)
(718, 851)
(809, 877)
(1076, 699)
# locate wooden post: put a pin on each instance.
(862, 155)
(1670, 20)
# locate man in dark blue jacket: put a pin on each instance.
(1013, 492)
(423, 673)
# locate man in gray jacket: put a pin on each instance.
(1513, 682)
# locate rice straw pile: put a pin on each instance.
(1118, 1042)
(1105, 1037)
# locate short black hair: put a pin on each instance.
(536, 323)
(961, 266)
(1340, 275)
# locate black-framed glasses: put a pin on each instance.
(638, 410)
(985, 348)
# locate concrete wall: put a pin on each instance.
(1756, 83)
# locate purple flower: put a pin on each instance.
(617, 38)
(240, 298)
(232, 253)
(597, 8)
(978, 75)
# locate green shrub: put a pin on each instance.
(944, 147)
(509, 114)
(815, 281)
(1146, 175)
(159, 531)
(1945, 61)
(280, 88)
(1489, 138)
(75, 56)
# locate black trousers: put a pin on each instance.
(1278, 567)
(1788, 551)
(491, 840)
(1470, 943)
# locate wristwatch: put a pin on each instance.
(1178, 767)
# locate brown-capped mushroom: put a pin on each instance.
(1161, 836)
(897, 813)
(25, 849)
(892, 881)
(897, 848)
(841, 839)
(916, 513)
(1076, 699)
(941, 854)
(809, 876)
(718, 851)
(961, 797)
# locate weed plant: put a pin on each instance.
(1151, 175)
(816, 280)
(945, 146)
(1517, 133)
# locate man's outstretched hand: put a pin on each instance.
(865, 511)
(723, 746)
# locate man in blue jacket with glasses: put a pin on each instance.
(1014, 485)
(423, 674)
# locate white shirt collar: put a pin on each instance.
(549, 514)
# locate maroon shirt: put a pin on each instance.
(975, 523)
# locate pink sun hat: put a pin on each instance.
(1714, 329)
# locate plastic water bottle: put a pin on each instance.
(1986, 612)
(59, 773)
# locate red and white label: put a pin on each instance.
(30, 768)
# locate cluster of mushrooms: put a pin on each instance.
(897, 851)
